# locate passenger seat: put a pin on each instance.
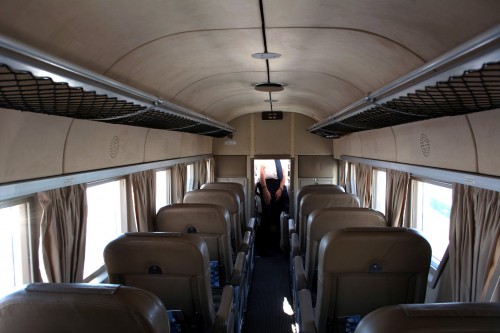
(211, 223)
(309, 203)
(433, 317)
(176, 268)
(361, 270)
(82, 308)
(321, 222)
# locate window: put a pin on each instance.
(106, 220)
(379, 189)
(431, 207)
(14, 246)
(163, 189)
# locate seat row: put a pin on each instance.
(354, 262)
(82, 308)
(360, 274)
(198, 263)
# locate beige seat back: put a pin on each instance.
(363, 269)
(173, 266)
(311, 189)
(236, 187)
(209, 222)
(318, 200)
(433, 317)
(227, 199)
(322, 221)
(82, 308)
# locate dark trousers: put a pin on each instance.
(268, 235)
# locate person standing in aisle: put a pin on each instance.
(274, 198)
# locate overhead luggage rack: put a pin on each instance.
(466, 80)
(34, 82)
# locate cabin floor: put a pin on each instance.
(269, 304)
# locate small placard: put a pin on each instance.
(272, 115)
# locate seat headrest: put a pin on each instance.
(204, 218)
(374, 250)
(433, 317)
(324, 220)
(225, 198)
(127, 252)
(317, 200)
(64, 307)
(237, 187)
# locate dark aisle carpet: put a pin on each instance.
(269, 289)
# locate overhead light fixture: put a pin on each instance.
(269, 87)
(266, 55)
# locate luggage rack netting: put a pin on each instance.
(21, 90)
(160, 120)
(474, 91)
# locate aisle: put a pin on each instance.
(265, 310)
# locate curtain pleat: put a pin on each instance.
(144, 194)
(364, 184)
(342, 173)
(202, 167)
(179, 174)
(211, 176)
(63, 232)
(397, 187)
(474, 237)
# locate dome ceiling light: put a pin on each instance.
(266, 55)
(269, 87)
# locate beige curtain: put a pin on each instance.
(179, 174)
(364, 184)
(63, 231)
(211, 176)
(474, 240)
(350, 178)
(204, 172)
(144, 194)
(342, 173)
(397, 187)
(200, 173)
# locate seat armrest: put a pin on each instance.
(239, 269)
(294, 246)
(224, 318)
(251, 224)
(305, 312)
(299, 275)
(246, 243)
(291, 227)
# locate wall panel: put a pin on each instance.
(93, 145)
(486, 129)
(442, 143)
(162, 145)
(32, 145)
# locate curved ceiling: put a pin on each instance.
(197, 54)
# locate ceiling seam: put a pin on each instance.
(168, 36)
(364, 32)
